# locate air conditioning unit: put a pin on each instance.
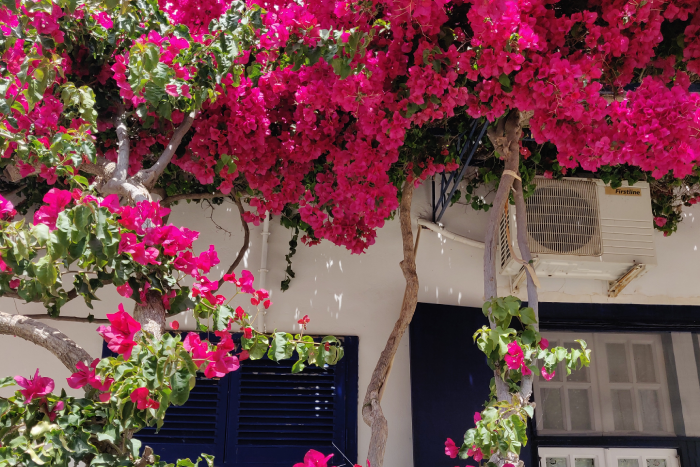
(581, 228)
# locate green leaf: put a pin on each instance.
(109, 433)
(528, 337)
(527, 316)
(281, 348)
(151, 57)
(7, 381)
(79, 179)
(180, 384)
(298, 366)
(504, 80)
(46, 272)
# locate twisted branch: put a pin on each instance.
(44, 336)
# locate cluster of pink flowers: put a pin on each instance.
(120, 334)
(38, 387)
(220, 363)
(523, 54)
(86, 375)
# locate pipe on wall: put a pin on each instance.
(447, 234)
(262, 272)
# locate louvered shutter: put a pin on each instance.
(279, 415)
(265, 415)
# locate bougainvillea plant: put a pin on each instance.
(328, 110)
(97, 241)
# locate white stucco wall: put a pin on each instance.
(360, 295)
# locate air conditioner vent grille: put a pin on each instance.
(563, 218)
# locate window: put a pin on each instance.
(264, 415)
(622, 392)
(587, 457)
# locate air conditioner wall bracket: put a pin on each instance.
(615, 287)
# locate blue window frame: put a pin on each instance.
(263, 414)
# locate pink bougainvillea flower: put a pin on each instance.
(53, 413)
(56, 200)
(104, 20)
(244, 355)
(175, 325)
(660, 221)
(314, 459)
(140, 398)
(207, 259)
(477, 417)
(475, 453)
(526, 370)
(3, 266)
(544, 343)
(120, 335)
(450, 448)
(111, 202)
(125, 290)
(166, 297)
(240, 313)
(248, 333)
(7, 210)
(259, 296)
(246, 282)
(514, 358)
(105, 396)
(221, 364)
(198, 349)
(548, 174)
(35, 387)
(86, 375)
(14, 283)
(547, 376)
(304, 321)
(48, 174)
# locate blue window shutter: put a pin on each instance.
(263, 414)
(449, 380)
(278, 416)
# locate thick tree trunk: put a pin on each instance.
(151, 314)
(505, 138)
(45, 336)
(532, 295)
(371, 408)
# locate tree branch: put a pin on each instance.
(123, 144)
(167, 201)
(13, 192)
(74, 319)
(45, 336)
(532, 295)
(505, 138)
(149, 176)
(371, 408)
(246, 239)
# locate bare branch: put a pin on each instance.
(371, 408)
(72, 293)
(13, 192)
(74, 319)
(246, 239)
(149, 176)
(167, 201)
(123, 145)
(45, 336)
